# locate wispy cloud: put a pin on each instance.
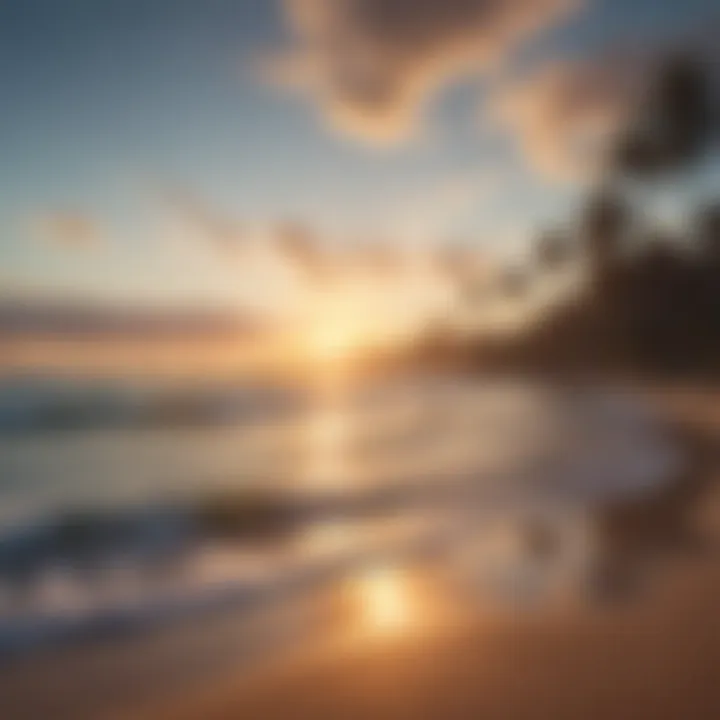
(68, 229)
(565, 115)
(562, 115)
(432, 213)
(371, 65)
(218, 229)
(299, 247)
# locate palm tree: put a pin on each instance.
(708, 230)
(604, 224)
(674, 125)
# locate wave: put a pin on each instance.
(80, 574)
(32, 407)
(83, 571)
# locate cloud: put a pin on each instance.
(566, 115)
(222, 233)
(302, 249)
(372, 64)
(68, 229)
(437, 210)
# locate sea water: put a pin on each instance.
(126, 505)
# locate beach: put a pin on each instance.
(360, 359)
(641, 638)
(653, 656)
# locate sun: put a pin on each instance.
(334, 342)
(340, 326)
(351, 321)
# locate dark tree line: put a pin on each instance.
(652, 301)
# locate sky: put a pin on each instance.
(138, 138)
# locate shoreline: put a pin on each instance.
(80, 681)
(651, 656)
(639, 531)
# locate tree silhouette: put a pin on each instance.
(673, 125)
(604, 223)
(708, 233)
(656, 309)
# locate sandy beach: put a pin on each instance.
(642, 640)
(651, 652)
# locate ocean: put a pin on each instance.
(125, 505)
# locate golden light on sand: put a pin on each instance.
(384, 598)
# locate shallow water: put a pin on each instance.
(105, 526)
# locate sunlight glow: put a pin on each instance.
(334, 342)
(384, 598)
(344, 321)
(326, 435)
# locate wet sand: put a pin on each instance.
(647, 647)
(660, 663)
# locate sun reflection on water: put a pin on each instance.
(326, 435)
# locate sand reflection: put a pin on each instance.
(385, 599)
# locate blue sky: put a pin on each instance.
(108, 105)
